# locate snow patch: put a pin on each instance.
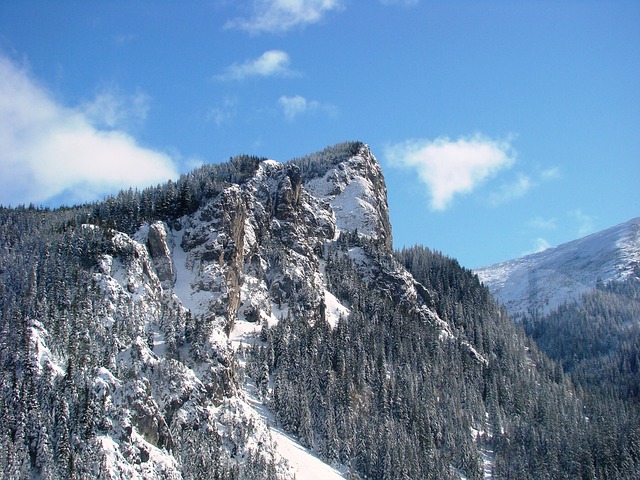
(303, 463)
(41, 350)
(334, 309)
(352, 196)
(483, 438)
(183, 289)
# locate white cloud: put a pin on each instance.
(542, 223)
(270, 64)
(404, 3)
(297, 105)
(48, 150)
(281, 15)
(449, 168)
(110, 109)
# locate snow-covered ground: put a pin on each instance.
(303, 463)
(334, 308)
(352, 195)
(483, 438)
(192, 299)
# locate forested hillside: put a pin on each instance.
(607, 443)
(579, 302)
(597, 339)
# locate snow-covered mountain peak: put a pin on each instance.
(544, 280)
(356, 190)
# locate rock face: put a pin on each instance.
(261, 242)
(357, 193)
(161, 254)
(179, 300)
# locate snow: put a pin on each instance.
(303, 464)
(270, 163)
(351, 195)
(244, 332)
(488, 462)
(334, 309)
(277, 312)
(184, 276)
(546, 279)
(104, 383)
(483, 438)
(159, 464)
(352, 211)
(104, 264)
(40, 348)
(475, 353)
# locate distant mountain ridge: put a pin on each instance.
(542, 281)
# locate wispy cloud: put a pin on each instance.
(297, 105)
(521, 185)
(511, 190)
(552, 173)
(272, 63)
(123, 38)
(404, 3)
(585, 222)
(541, 223)
(48, 149)
(111, 109)
(452, 167)
(277, 16)
(539, 244)
(223, 112)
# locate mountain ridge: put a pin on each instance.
(542, 281)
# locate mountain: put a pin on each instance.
(252, 321)
(580, 303)
(542, 281)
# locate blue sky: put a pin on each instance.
(502, 127)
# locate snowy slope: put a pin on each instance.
(546, 279)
